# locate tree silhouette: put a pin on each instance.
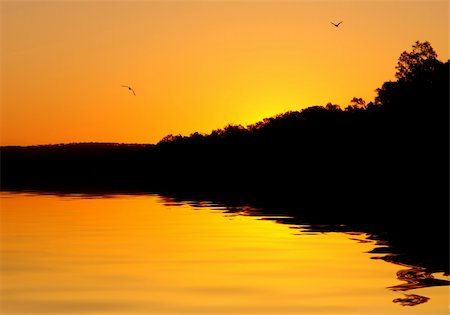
(421, 79)
(422, 58)
(356, 103)
(333, 107)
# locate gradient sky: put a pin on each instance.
(195, 66)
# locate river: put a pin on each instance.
(150, 254)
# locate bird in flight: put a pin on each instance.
(337, 23)
(130, 88)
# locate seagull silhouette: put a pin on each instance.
(336, 24)
(130, 88)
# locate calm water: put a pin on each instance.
(150, 255)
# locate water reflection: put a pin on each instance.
(152, 254)
(413, 277)
(411, 300)
(416, 278)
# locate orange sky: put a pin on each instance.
(195, 66)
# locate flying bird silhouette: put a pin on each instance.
(130, 88)
(337, 23)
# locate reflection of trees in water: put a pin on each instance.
(416, 278)
(411, 300)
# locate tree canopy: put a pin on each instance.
(422, 58)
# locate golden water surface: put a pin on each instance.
(149, 255)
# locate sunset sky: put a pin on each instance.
(195, 66)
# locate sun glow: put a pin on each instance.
(195, 66)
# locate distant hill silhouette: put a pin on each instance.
(383, 164)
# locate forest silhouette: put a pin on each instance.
(381, 166)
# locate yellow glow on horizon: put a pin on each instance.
(195, 66)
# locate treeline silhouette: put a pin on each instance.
(384, 164)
